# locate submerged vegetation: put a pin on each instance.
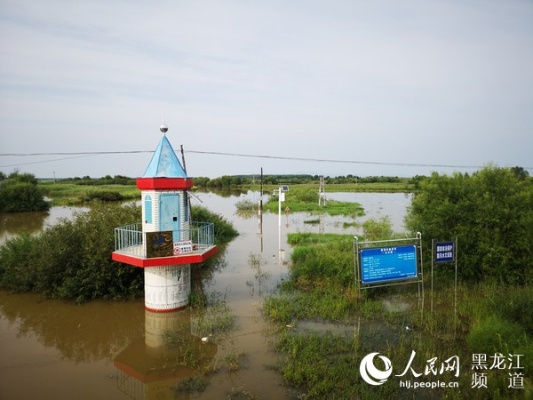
(326, 327)
(72, 259)
(303, 199)
(490, 319)
(78, 191)
(246, 208)
(324, 324)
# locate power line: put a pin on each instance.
(73, 153)
(382, 163)
(396, 164)
(44, 161)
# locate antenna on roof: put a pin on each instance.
(163, 127)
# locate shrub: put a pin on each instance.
(20, 193)
(314, 264)
(72, 260)
(380, 229)
(105, 196)
(16, 264)
(491, 215)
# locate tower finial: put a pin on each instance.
(163, 127)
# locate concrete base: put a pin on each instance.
(167, 288)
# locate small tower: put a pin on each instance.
(166, 242)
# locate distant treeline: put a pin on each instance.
(236, 180)
(106, 180)
(226, 181)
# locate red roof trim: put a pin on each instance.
(164, 183)
(161, 261)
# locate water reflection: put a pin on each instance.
(259, 285)
(12, 224)
(224, 192)
(94, 331)
(150, 368)
(120, 352)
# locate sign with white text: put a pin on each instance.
(444, 252)
(383, 264)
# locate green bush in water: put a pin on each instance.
(19, 192)
(311, 263)
(72, 259)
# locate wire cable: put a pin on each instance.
(217, 153)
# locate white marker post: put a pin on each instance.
(281, 198)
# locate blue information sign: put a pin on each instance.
(444, 252)
(381, 264)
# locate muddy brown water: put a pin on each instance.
(115, 350)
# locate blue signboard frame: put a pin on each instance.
(388, 264)
(445, 251)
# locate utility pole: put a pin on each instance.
(260, 210)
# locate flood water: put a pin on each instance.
(117, 350)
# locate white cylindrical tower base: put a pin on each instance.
(167, 288)
(157, 326)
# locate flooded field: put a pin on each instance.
(117, 350)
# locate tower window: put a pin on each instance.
(148, 209)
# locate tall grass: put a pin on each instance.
(489, 319)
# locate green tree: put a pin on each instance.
(491, 215)
(520, 173)
(72, 259)
(19, 192)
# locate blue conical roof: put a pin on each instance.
(164, 163)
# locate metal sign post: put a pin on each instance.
(388, 262)
(445, 252)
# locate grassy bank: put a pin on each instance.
(323, 358)
(405, 186)
(305, 199)
(72, 192)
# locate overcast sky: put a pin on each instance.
(443, 85)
